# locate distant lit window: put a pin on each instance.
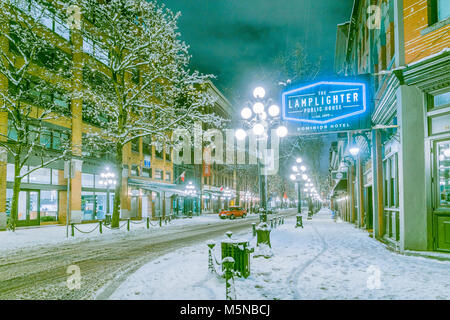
(134, 170)
(158, 174)
(61, 28)
(441, 99)
(147, 172)
(443, 9)
(88, 46)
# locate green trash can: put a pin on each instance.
(240, 252)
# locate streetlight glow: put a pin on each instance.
(258, 108)
(299, 160)
(292, 176)
(259, 93)
(274, 110)
(282, 131)
(240, 134)
(246, 113)
(354, 151)
(258, 129)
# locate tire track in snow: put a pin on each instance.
(293, 278)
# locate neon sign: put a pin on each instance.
(326, 107)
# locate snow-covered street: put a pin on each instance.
(35, 263)
(325, 260)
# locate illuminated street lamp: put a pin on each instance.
(261, 121)
(108, 180)
(191, 193)
(298, 174)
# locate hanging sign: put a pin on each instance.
(325, 107)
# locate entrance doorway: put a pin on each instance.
(28, 213)
(368, 207)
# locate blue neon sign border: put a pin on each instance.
(283, 95)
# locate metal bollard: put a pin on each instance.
(160, 221)
(228, 264)
(100, 226)
(254, 229)
(128, 224)
(148, 222)
(299, 221)
(73, 230)
(211, 268)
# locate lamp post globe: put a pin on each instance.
(259, 93)
(282, 131)
(240, 134)
(274, 110)
(354, 151)
(246, 113)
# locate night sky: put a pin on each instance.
(234, 39)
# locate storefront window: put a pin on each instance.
(444, 174)
(41, 176)
(49, 205)
(55, 175)
(87, 205)
(87, 180)
(101, 205)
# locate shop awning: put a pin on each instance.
(157, 186)
(341, 185)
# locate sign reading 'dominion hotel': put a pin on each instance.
(327, 107)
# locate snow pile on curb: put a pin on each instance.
(325, 260)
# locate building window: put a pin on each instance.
(443, 9)
(45, 16)
(438, 10)
(168, 152)
(49, 205)
(159, 174)
(135, 145)
(41, 176)
(96, 50)
(147, 172)
(87, 180)
(168, 176)
(441, 99)
(443, 169)
(147, 145)
(134, 170)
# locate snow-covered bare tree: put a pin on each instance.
(30, 101)
(144, 87)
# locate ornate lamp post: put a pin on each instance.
(297, 176)
(191, 193)
(108, 180)
(256, 118)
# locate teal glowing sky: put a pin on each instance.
(233, 39)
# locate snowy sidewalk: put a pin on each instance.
(56, 234)
(325, 260)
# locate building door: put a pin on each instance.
(134, 207)
(368, 207)
(28, 213)
(441, 187)
(144, 206)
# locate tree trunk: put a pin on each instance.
(15, 197)
(118, 191)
